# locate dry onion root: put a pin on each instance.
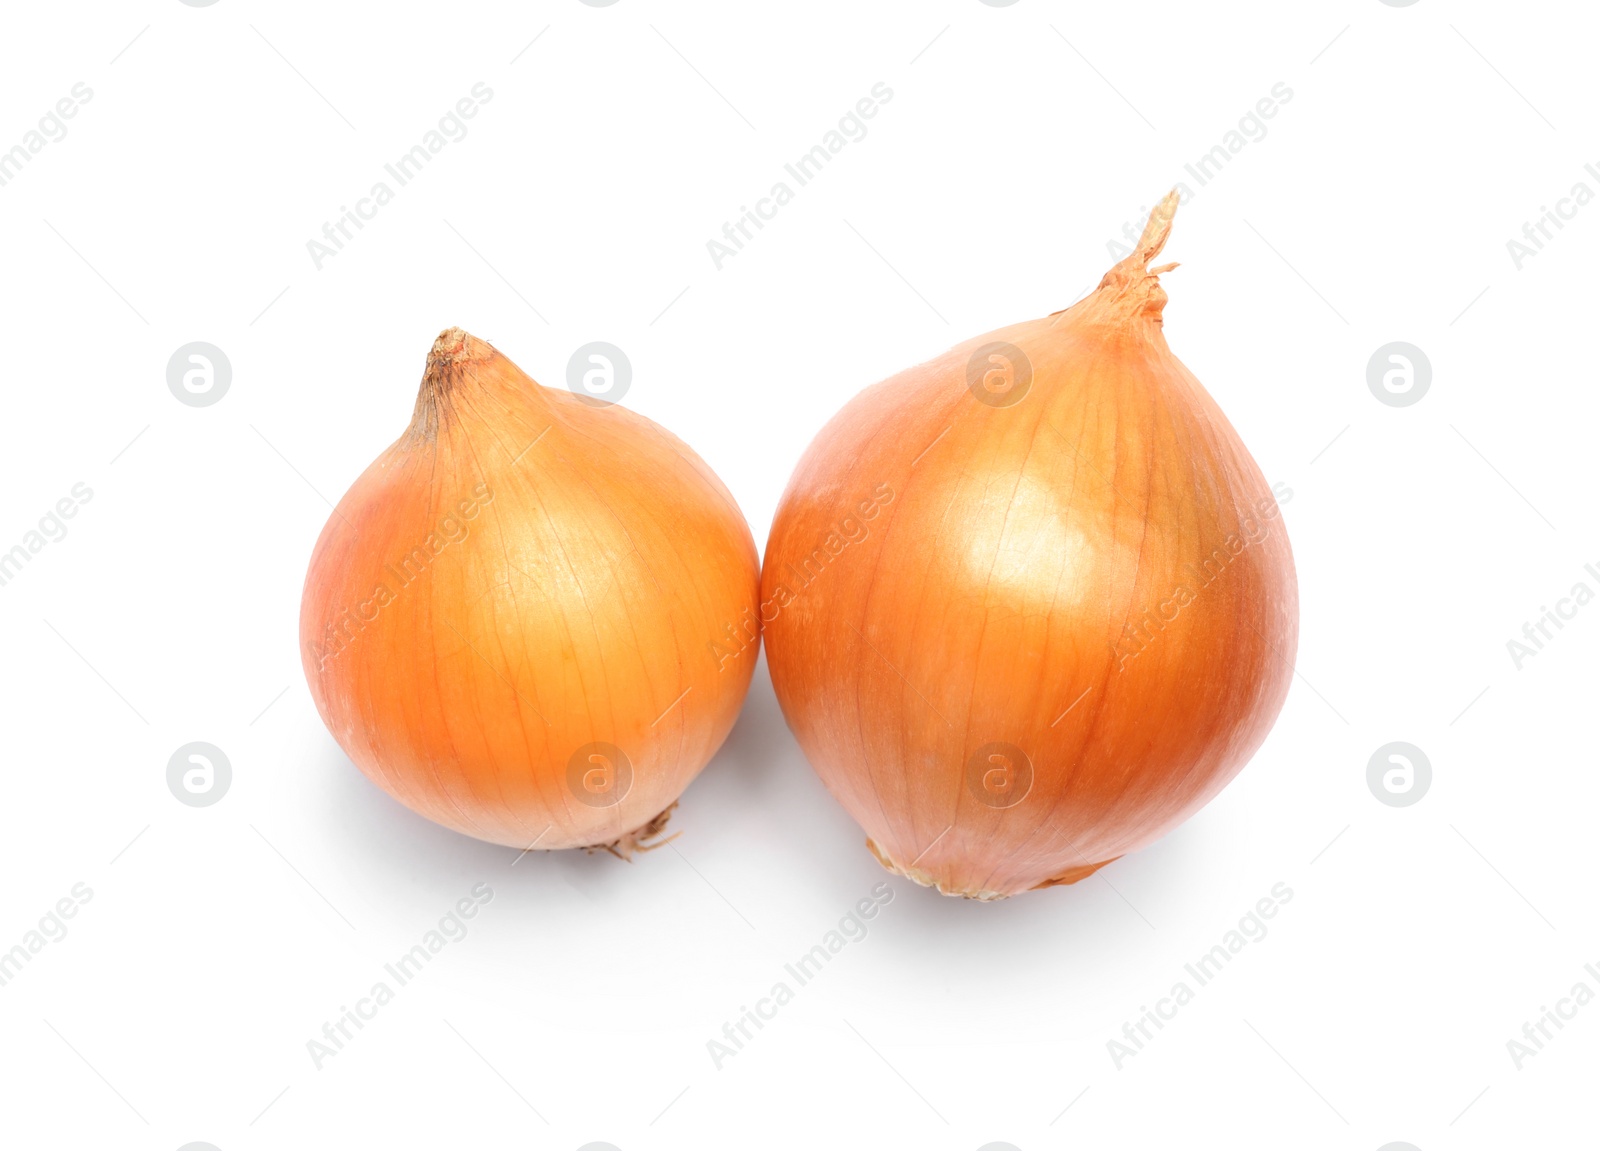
(508, 620)
(1030, 605)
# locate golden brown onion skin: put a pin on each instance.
(947, 572)
(555, 574)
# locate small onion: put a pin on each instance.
(506, 620)
(1031, 604)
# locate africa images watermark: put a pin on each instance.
(51, 928)
(850, 529)
(1536, 233)
(452, 928)
(452, 129)
(1251, 129)
(1138, 635)
(51, 530)
(1536, 1034)
(52, 129)
(343, 631)
(851, 127)
(852, 929)
(1252, 928)
(1538, 633)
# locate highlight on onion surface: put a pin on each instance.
(1030, 605)
(509, 619)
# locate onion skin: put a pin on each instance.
(554, 573)
(1016, 590)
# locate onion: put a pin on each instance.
(1030, 605)
(508, 621)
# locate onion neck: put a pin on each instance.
(455, 355)
(459, 365)
(1132, 289)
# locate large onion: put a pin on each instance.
(509, 619)
(1030, 605)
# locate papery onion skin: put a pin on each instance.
(555, 574)
(1019, 592)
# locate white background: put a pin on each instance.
(1019, 140)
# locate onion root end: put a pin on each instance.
(640, 838)
(983, 895)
